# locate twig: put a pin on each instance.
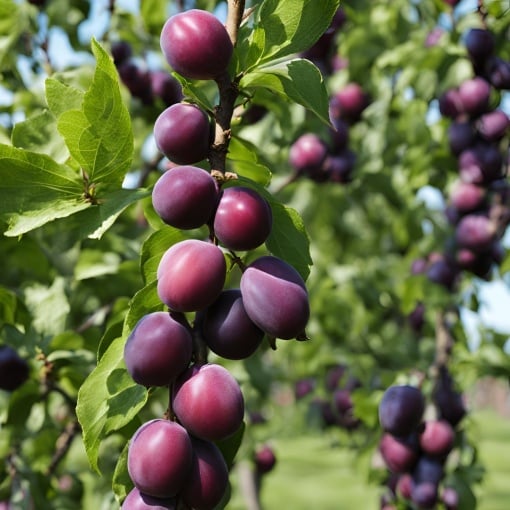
(235, 16)
(63, 444)
(249, 484)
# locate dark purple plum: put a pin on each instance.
(401, 410)
(481, 163)
(121, 52)
(416, 317)
(424, 494)
(185, 197)
(196, 44)
(461, 136)
(135, 500)
(498, 73)
(339, 135)
(191, 275)
(450, 104)
(243, 219)
(340, 167)
(399, 455)
(334, 376)
(428, 469)
(158, 349)
(307, 154)
(14, 370)
(348, 103)
(265, 459)
(442, 271)
(275, 297)
(479, 44)
(493, 126)
(160, 458)
(475, 232)
(136, 80)
(182, 133)
(449, 402)
(474, 96)
(227, 329)
(166, 87)
(208, 402)
(304, 387)
(207, 481)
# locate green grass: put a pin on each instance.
(311, 475)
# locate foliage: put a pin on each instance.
(81, 241)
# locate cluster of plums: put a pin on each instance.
(334, 406)
(176, 460)
(415, 450)
(147, 85)
(478, 203)
(14, 370)
(331, 159)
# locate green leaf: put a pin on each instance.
(194, 92)
(145, 301)
(154, 247)
(48, 306)
(39, 134)
(61, 97)
(108, 400)
(10, 28)
(288, 239)
(35, 190)
(98, 218)
(121, 483)
(292, 26)
(99, 136)
(298, 80)
(230, 446)
(94, 263)
(154, 15)
(245, 161)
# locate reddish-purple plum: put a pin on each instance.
(474, 96)
(136, 500)
(191, 275)
(136, 80)
(196, 44)
(498, 73)
(182, 133)
(399, 455)
(436, 438)
(404, 485)
(493, 126)
(208, 402)
(157, 350)
(450, 498)
(166, 87)
(160, 458)
(185, 197)
(14, 369)
(348, 103)
(467, 197)
(243, 219)
(207, 480)
(275, 297)
(475, 232)
(401, 410)
(307, 154)
(265, 459)
(481, 163)
(227, 329)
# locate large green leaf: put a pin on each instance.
(39, 133)
(245, 161)
(291, 26)
(62, 97)
(288, 239)
(99, 135)
(108, 400)
(298, 80)
(35, 190)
